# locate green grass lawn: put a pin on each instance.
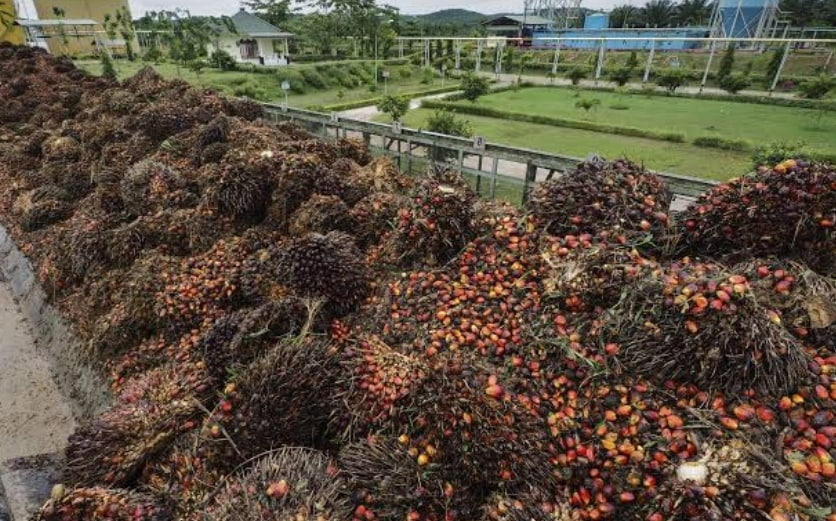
(662, 156)
(757, 124)
(268, 86)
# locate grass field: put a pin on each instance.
(267, 87)
(658, 155)
(757, 124)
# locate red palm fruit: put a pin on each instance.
(674, 421)
(626, 497)
(785, 404)
(765, 414)
(799, 467)
(729, 423)
(744, 412)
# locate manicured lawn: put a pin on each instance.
(757, 124)
(658, 155)
(267, 87)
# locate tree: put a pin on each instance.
(659, 13)
(394, 106)
(816, 88)
(625, 16)
(726, 63)
(632, 61)
(276, 12)
(576, 74)
(693, 12)
(804, 13)
(671, 79)
(474, 86)
(108, 71)
(621, 76)
(525, 61)
(774, 65)
(123, 25)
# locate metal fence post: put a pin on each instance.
(600, 61)
(707, 67)
(556, 57)
(649, 61)
(780, 68)
(494, 171)
(408, 156)
(530, 180)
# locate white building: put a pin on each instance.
(255, 41)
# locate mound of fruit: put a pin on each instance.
(294, 330)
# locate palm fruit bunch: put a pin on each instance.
(373, 214)
(295, 183)
(102, 504)
(124, 244)
(356, 150)
(382, 175)
(281, 398)
(328, 267)
(236, 339)
(788, 210)
(61, 149)
(241, 190)
(148, 187)
(387, 483)
(699, 323)
(41, 207)
(804, 300)
(589, 272)
(149, 413)
(80, 250)
(203, 285)
(340, 179)
(599, 196)
(381, 382)
(434, 227)
(161, 120)
(321, 214)
(290, 483)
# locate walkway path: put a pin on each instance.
(35, 418)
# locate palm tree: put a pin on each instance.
(659, 13)
(625, 16)
(694, 12)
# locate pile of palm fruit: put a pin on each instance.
(295, 331)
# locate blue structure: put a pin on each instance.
(613, 43)
(744, 18)
(596, 21)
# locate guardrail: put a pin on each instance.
(498, 171)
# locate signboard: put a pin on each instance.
(385, 74)
(479, 143)
(397, 127)
(285, 85)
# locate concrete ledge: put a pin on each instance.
(27, 483)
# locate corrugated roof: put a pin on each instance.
(49, 23)
(520, 19)
(248, 24)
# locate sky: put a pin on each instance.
(219, 7)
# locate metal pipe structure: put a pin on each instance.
(707, 67)
(780, 68)
(649, 62)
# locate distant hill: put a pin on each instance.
(453, 16)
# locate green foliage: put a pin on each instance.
(587, 104)
(274, 11)
(251, 90)
(671, 79)
(816, 88)
(620, 106)
(394, 106)
(445, 122)
(774, 153)
(108, 71)
(774, 65)
(197, 66)
(427, 76)
(734, 83)
(621, 76)
(474, 86)
(576, 74)
(632, 61)
(726, 63)
(737, 145)
(223, 60)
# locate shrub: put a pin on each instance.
(632, 61)
(775, 152)
(587, 104)
(251, 90)
(427, 76)
(671, 79)
(734, 83)
(726, 63)
(223, 60)
(313, 79)
(405, 73)
(576, 74)
(108, 71)
(620, 106)
(621, 76)
(445, 122)
(394, 106)
(816, 88)
(474, 86)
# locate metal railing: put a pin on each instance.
(497, 171)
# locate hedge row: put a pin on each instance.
(478, 110)
(738, 145)
(738, 98)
